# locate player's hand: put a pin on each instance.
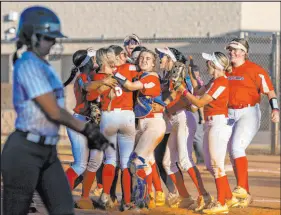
(110, 81)
(96, 140)
(275, 116)
(180, 88)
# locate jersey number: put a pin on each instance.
(118, 91)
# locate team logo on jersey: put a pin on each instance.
(235, 78)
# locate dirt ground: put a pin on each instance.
(264, 180)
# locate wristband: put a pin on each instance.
(185, 92)
(120, 78)
(274, 104)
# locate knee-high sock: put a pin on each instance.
(126, 183)
(197, 180)
(89, 178)
(71, 176)
(228, 193)
(242, 172)
(108, 173)
(149, 183)
(220, 190)
(156, 178)
(179, 182)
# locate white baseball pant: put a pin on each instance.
(118, 126)
(247, 124)
(180, 142)
(150, 133)
(216, 137)
(80, 151)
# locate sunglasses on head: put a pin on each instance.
(131, 42)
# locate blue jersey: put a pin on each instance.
(33, 77)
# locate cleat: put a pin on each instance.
(84, 203)
(232, 203)
(240, 192)
(151, 200)
(128, 206)
(105, 201)
(160, 199)
(97, 191)
(173, 200)
(243, 203)
(216, 208)
(203, 202)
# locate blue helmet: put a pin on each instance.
(38, 20)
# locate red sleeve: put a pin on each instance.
(216, 89)
(151, 86)
(263, 81)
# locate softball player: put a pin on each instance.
(118, 104)
(151, 125)
(29, 157)
(217, 127)
(131, 42)
(247, 82)
(180, 144)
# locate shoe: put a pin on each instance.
(216, 208)
(151, 200)
(243, 203)
(159, 199)
(128, 206)
(173, 200)
(105, 201)
(240, 192)
(84, 203)
(187, 203)
(97, 191)
(114, 200)
(232, 203)
(203, 201)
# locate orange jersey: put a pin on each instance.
(246, 83)
(152, 86)
(219, 91)
(118, 97)
(81, 106)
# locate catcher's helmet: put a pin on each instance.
(38, 20)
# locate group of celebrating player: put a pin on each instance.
(136, 103)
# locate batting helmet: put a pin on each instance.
(38, 20)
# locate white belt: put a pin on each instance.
(48, 140)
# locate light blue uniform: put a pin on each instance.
(32, 78)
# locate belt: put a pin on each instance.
(153, 115)
(119, 109)
(42, 140)
(240, 106)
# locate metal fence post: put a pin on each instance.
(275, 131)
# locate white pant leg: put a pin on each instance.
(95, 161)
(109, 129)
(185, 137)
(153, 131)
(207, 157)
(218, 136)
(171, 155)
(247, 124)
(126, 137)
(79, 147)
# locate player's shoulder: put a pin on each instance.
(127, 66)
(254, 66)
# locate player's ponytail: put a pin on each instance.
(73, 73)
(19, 45)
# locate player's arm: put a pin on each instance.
(199, 102)
(94, 85)
(171, 97)
(266, 87)
(132, 86)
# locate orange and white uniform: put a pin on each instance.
(217, 127)
(118, 126)
(151, 128)
(247, 82)
(182, 126)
